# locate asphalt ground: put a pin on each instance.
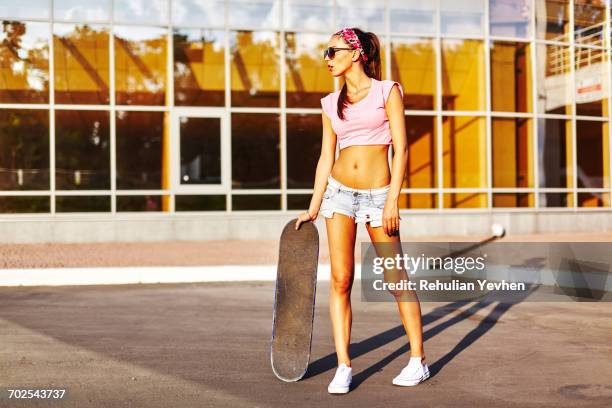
(206, 344)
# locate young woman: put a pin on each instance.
(365, 117)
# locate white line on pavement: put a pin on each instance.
(146, 274)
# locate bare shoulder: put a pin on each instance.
(392, 90)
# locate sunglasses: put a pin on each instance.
(331, 52)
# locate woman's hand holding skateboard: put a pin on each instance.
(305, 217)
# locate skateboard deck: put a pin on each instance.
(294, 300)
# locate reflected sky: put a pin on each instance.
(311, 45)
(510, 17)
(463, 17)
(365, 14)
(81, 10)
(412, 16)
(139, 33)
(260, 14)
(308, 14)
(24, 9)
(198, 12)
(141, 11)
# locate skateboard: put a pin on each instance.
(294, 300)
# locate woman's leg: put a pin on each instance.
(407, 301)
(341, 232)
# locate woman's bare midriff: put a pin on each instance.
(363, 166)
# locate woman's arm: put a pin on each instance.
(324, 167)
(397, 124)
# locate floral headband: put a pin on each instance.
(349, 35)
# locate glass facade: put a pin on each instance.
(170, 106)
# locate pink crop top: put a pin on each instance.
(365, 122)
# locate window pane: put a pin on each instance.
(24, 62)
(141, 11)
(255, 150)
(512, 152)
(139, 150)
(418, 201)
(140, 58)
(554, 79)
(552, 20)
(82, 204)
(510, 77)
(254, 202)
(463, 74)
(82, 10)
(593, 199)
(557, 200)
(200, 203)
(307, 77)
(308, 14)
(255, 68)
(421, 168)
(412, 16)
(591, 81)
(592, 153)
(81, 64)
(24, 149)
(200, 150)
(255, 14)
(513, 200)
(199, 67)
(198, 12)
(463, 17)
(82, 150)
(140, 203)
(465, 200)
(555, 153)
(413, 64)
(25, 9)
(303, 149)
(510, 18)
(464, 152)
(22, 204)
(589, 21)
(365, 14)
(298, 201)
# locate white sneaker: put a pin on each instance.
(342, 380)
(413, 373)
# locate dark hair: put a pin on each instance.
(372, 67)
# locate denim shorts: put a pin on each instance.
(363, 205)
